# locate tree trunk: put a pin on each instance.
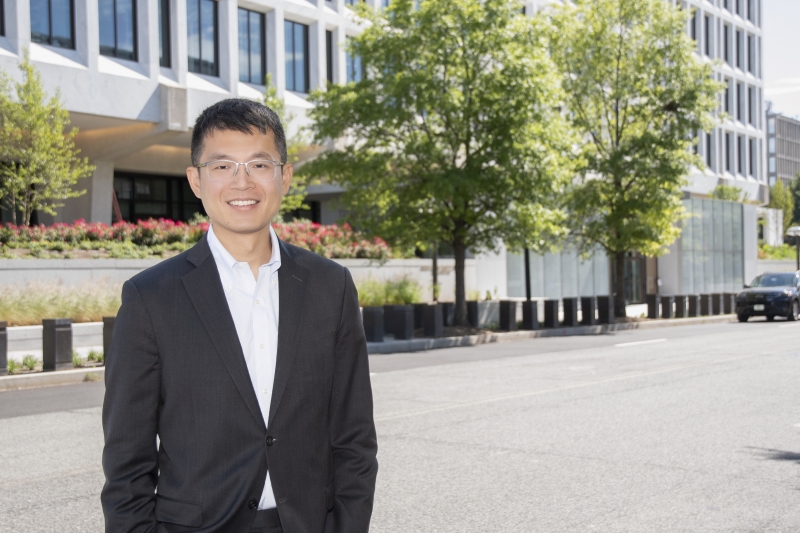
(619, 282)
(460, 318)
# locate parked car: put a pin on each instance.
(771, 294)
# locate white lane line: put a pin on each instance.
(793, 325)
(621, 377)
(637, 343)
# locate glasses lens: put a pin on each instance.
(221, 170)
(262, 170)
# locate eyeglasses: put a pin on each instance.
(257, 169)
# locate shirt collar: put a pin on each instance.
(224, 258)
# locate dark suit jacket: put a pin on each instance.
(176, 371)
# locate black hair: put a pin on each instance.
(237, 114)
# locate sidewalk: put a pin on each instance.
(78, 375)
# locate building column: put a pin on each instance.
(228, 38)
(95, 204)
(276, 54)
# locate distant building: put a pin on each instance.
(783, 147)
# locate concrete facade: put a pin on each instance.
(783, 148)
(137, 116)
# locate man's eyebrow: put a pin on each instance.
(257, 155)
(263, 155)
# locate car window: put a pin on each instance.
(773, 280)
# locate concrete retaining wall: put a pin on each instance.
(782, 265)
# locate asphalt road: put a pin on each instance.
(693, 429)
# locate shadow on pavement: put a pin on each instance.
(776, 455)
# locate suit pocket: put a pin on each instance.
(317, 329)
(188, 514)
(329, 497)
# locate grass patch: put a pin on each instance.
(77, 360)
(29, 363)
(784, 251)
(13, 366)
(95, 356)
(28, 304)
(401, 291)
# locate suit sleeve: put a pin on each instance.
(130, 419)
(352, 429)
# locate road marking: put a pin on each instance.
(637, 343)
(526, 394)
(794, 325)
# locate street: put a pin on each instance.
(689, 428)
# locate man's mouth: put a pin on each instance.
(242, 203)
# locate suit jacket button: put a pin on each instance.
(270, 440)
(252, 504)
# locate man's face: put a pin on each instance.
(242, 205)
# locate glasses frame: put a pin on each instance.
(246, 168)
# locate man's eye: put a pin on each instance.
(260, 165)
(221, 166)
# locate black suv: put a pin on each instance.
(771, 294)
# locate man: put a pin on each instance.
(237, 385)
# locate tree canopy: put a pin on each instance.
(455, 134)
(638, 95)
(39, 163)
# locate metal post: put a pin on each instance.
(435, 270)
(3, 348)
(528, 274)
(56, 344)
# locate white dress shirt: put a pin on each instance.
(254, 308)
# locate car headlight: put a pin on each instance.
(787, 292)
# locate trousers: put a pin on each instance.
(267, 521)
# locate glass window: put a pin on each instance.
(728, 96)
(771, 145)
(2, 18)
(709, 138)
(740, 102)
(51, 23)
(740, 153)
(739, 45)
(726, 37)
(141, 197)
(296, 44)
(164, 35)
(693, 25)
(771, 125)
(118, 28)
(252, 66)
(753, 161)
(355, 67)
(707, 35)
(329, 55)
(728, 154)
(202, 36)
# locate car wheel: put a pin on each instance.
(742, 318)
(770, 318)
(795, 314)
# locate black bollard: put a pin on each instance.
(373, 324)
(56, 344)
(705, 305)
(401, 321)
(530, 315)
(473, 316)
(729, 303)
(694, 305)
(680, 306)
(667, 303)
(108, 332)
(588, 306)
(570, 312)
(716, 304)
(551, 313)
(605, 309)
(3, 347)
(419, 315)
(434, 326)
(508, 315)
(653, 303)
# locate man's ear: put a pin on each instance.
(193, 175)
(286, 178)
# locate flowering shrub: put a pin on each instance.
(154, 237)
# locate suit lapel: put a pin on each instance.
(205, 291)
(291, 298)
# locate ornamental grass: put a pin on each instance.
(28, 304)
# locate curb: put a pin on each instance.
(421, 345)
(47, 379)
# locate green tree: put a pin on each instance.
(728, 193)
(454, 134)
(781, 197)
(39, 163)
(794, 186)
(294, 144)
(638, 96)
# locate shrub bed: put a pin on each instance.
(162, 237)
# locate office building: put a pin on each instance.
(783, 147)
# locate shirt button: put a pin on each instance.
(256, 302)
(261, 346)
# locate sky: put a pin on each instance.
(781, 41)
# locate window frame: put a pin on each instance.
(262, 43)
(134, 32)
(200, 40)
(165, 33)
(49, 41)
(306, 58)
